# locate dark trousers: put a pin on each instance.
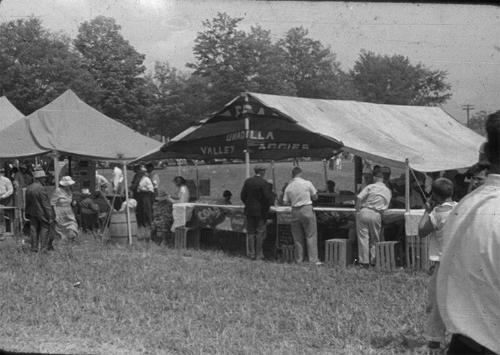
(256, 233)
(460, 344)
(39, 232)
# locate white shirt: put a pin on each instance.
(145, 184)
(469, 272)
(375, 196)
(183, 194)
(438, 217)
(6, 188)
(298, 193)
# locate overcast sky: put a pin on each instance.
(464, 40)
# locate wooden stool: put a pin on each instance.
(288, 253)
(384, 256)
(417, 253)
(181, 237)
(338, 252)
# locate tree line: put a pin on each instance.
(107, 72)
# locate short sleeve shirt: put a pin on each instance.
(299, 191)
(375, 196)
(438, 217)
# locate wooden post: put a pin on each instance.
(273, 176)
(125, 181)
(325, 173)
(56, 168)
(407, 185)
(197, 180)
(247, 153)
(179, 173)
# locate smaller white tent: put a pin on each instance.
(8, 113)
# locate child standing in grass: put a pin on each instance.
(431, 224)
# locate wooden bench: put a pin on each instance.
(417, 253)
(384, 256)
(338, 252)
(183, 234)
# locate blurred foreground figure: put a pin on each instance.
(469, 272)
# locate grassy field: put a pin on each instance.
(112, 299)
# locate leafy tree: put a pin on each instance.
(122, 91)
(394, 80)
(229, 61)
(36, 65)
(477, 121)
(168, 113)
(311, 66)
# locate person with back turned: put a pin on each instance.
(372, 201)
(468, 291)
(258, 198)
(300, 194)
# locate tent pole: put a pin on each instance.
(197, 180)
(325, 173)
(125, 182)
(407, 185)
(56, 169)
(178, 167)
(247, 153)
(274, 176)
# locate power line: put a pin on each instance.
(468, 108)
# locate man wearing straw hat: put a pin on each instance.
(39, 212)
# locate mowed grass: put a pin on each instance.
(155, 300)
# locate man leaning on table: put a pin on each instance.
(468, 281)
(371, 202)
(300, 194)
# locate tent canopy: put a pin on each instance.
(428, 137)
(70, 126)
(8, 113)
(270, 136)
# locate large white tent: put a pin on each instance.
(426, 138)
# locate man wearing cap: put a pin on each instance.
(39, 212)
(300, 194)
(371, 202)
(258, 198)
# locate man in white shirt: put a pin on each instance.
(144, 210)
(300, 193)
(6, 191)
(371, 202)
(468, 292)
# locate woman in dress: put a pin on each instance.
(66, 226)
(182, 191)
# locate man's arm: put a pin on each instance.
(313, 192)
(360, 198)
(425, 226)
(243, 194)
(47, 206)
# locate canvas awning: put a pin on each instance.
(8, 113)
(428, 137)
(68, 125)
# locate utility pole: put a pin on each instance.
(468, 108)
